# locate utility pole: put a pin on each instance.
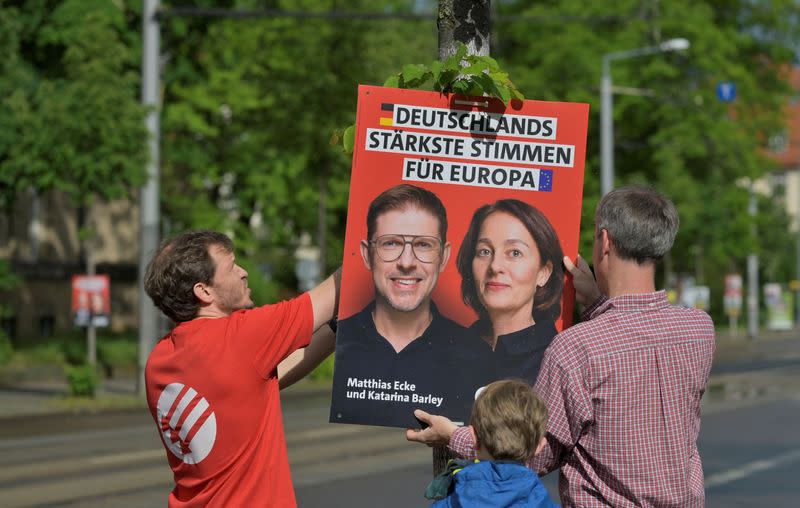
(149, 211)
(606, 130)
(91, 269)
(752, 272)
(607, 104)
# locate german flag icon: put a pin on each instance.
(387, 114)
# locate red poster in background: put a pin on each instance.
(91, 300)
(469, 152)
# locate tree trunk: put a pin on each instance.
(467, 21)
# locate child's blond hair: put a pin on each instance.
(509, 420)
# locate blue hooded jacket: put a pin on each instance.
(490, 484)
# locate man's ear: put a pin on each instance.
(201, 291)
(540, 446)
(605, 242)
(364, 245)
(445, 256)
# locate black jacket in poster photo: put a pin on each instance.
(439, 372)
(518, 355)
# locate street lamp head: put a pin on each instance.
(674, 45)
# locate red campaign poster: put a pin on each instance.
(429, 316)
(91, 300)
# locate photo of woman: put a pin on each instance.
(512, 276)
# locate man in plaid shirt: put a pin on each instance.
(623, 388)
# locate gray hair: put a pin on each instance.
(641, 222)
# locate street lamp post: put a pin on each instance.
(149, 208)
(607, 105)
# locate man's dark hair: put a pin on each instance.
(177, 266)
(547, 299)
(641, 222)
(401, 197)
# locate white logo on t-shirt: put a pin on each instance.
(187, 423)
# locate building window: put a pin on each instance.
(777, 185)
(47, 326)
(9, 325)
(778, 143)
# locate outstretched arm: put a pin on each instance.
(324, 303)
(299, 364)
(325, 299)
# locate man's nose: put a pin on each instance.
(242, 271)
(407, 257)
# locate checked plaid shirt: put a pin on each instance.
(623, 392)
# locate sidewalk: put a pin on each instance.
(743, 368)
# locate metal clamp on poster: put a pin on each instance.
(460, 212)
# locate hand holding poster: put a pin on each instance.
(460, 213)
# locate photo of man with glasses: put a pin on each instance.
(399, 353)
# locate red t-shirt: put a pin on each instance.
(212, 388)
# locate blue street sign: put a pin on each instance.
(726, 91)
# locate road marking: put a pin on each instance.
(364, 444)
(71, 489)
(51, 468)
(752, 468)
(73, 437)
(123, 458)
(359, 466)
(329, 431)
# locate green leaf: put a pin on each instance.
(491, 63)
(475, 68)
(436, 69)
(413, 72)
(461, 52)
(446, 79)
(500, 77)
(393, 81)
(349, 139)
(503, 92)
(475, 89)
(419, 82)
(461, 87)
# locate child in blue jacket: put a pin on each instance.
(509, 420)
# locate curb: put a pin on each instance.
(734, 348)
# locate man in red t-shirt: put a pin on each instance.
(212, 382)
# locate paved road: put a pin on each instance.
(749, 443)
(117, 459)
(751, 455)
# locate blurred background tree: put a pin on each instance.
(70, 117)
(249, 105)
(677, 137)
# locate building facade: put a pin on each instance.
(42, 241)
